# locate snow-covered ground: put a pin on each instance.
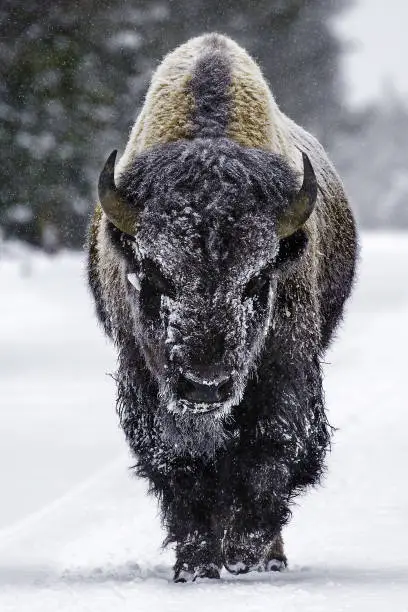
(78, 533)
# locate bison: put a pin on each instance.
(220, 255)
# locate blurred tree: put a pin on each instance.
(74, 73)
(371, 154)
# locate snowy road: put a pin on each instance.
(78, 533)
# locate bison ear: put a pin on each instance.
(118, 210)
(302, 205)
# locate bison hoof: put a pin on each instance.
(253, 552)
(273, 565)
(238, 567)
(185, 574)
(276, 565)
(207, 571)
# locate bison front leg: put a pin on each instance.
(252, 540)
(192, 518)
(198, 555)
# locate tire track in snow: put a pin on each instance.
(25, 525)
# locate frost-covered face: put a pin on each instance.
(202, 299)
(201, 271)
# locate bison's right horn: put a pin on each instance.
(302, 204)
(115, 206)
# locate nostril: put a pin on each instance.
(225, 390)
(185, 387)
(200, 392)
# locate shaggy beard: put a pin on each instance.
(195, 435)
(196, 430)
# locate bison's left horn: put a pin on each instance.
(115, 206)
(302, 204)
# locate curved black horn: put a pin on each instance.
(116, 207)
(302, 204)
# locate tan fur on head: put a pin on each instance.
(168, 105)
(172, 105)
(255, 119)
(253, 107)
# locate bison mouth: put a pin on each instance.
(182, 407)
(204, 392)
(194, 396)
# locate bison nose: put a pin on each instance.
(198, 391)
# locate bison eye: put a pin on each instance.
(153, 286)
(258, 287)
(156, 281)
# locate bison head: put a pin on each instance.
(200, 227)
